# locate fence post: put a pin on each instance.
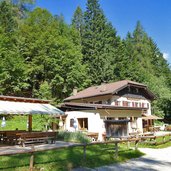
(84, 151)
(128, 145)
(155, 141)
(136, 144)
(164, 139)
(32, 158)
(116, 150)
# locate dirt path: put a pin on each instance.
(154, 160)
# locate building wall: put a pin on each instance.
(95, 120)
(96, 123)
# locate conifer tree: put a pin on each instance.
(99, 44)
(78, 20)
(147, 65)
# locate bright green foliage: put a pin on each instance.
(12, 66)
(52, 51)
(41, 56)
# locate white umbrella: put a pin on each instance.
(3, 123)
(75, 123)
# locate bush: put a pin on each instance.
(78, 137)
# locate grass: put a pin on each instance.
(65, 159)
(148, 143)
(159, 143)
(78, 137)
(165, 145)
(20, 122)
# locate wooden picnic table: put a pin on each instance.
(9, 136)
(22, 137)
(36, 137)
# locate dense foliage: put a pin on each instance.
(42, 56)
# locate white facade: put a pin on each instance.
(95, 121)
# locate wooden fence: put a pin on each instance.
(32, 151)
(153, 139)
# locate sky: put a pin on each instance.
(154, 15)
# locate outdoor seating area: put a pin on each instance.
(22, 137)
(13, 106)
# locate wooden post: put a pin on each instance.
(83, 123)
(155, 142)
(116, 150)
(30, 123)
(84, 155)
(136, 144)
(128, 145)
(32, 159)
(164, 139)
(54, 126)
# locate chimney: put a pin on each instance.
(103, 87)
(74, 91)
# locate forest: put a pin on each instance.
(42, 56)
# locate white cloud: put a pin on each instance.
(166, 56)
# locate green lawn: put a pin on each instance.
(65, 159)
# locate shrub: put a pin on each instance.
(78, 137)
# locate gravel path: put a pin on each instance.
(154, 160)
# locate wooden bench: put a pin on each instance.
(10, 137)
(94, 136)
(36, 137)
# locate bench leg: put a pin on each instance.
(22, 144)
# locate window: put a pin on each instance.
(110, 118)
(71, 122)
(136, 104)
(129, 104)
(125, 103)
(98, 102)
(109, 101)
(133, 104)
(119, 103)
(148, 105)
(83, 123)
(129, 89)
(137, 90)
(122, 118)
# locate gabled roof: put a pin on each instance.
(107, 89)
